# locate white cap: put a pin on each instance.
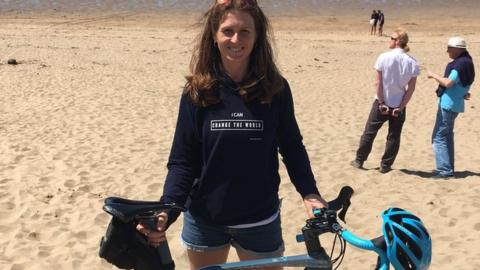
(457, 42)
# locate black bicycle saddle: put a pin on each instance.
(127, 210)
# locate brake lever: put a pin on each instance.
(343, 212)
(342, 202)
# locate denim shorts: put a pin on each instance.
(262, 241)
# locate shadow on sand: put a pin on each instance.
(430, 174)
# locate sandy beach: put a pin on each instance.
(90, 111)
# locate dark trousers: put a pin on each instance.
(374, 123)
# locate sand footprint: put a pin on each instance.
(59, 156)
(452, 222)
(77, 263)
(44, 251)
(5, 181)
(33, 236)
(18, 266)
(456, 244)
(7, 207)
(443, 212)
(44, 179)
(155, 186)
(85, 188)
(102, 219)
(81, 235)
(6, 229)
(446, 238)
(18, 158)
(69, 183)
(83, 174)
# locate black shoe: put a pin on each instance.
(385, 169)
(357, 164)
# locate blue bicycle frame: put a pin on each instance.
(374, 245)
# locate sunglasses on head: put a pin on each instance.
(392, 38)
(246, 3)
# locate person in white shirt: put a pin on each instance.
(396, 77)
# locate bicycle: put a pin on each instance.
(325, 221)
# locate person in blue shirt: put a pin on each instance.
(453, 89)
(236, 114)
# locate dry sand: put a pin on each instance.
(90, 112)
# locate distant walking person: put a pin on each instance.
(396, 77)
(373, 22)
(381, 21)
(453, 89)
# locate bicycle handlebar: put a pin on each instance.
(342, 202)
(325, 220)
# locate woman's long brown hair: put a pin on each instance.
(263, 79)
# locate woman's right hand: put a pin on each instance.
(154, 237)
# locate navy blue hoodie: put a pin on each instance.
(463, 64)
(232, 149)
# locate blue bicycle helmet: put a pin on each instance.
(409, 246)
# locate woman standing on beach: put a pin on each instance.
(236, 113)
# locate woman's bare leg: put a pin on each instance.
(201, 259)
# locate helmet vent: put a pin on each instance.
(409, 242)
(404, 259)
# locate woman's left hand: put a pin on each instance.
(313, 201)
(157, 235)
